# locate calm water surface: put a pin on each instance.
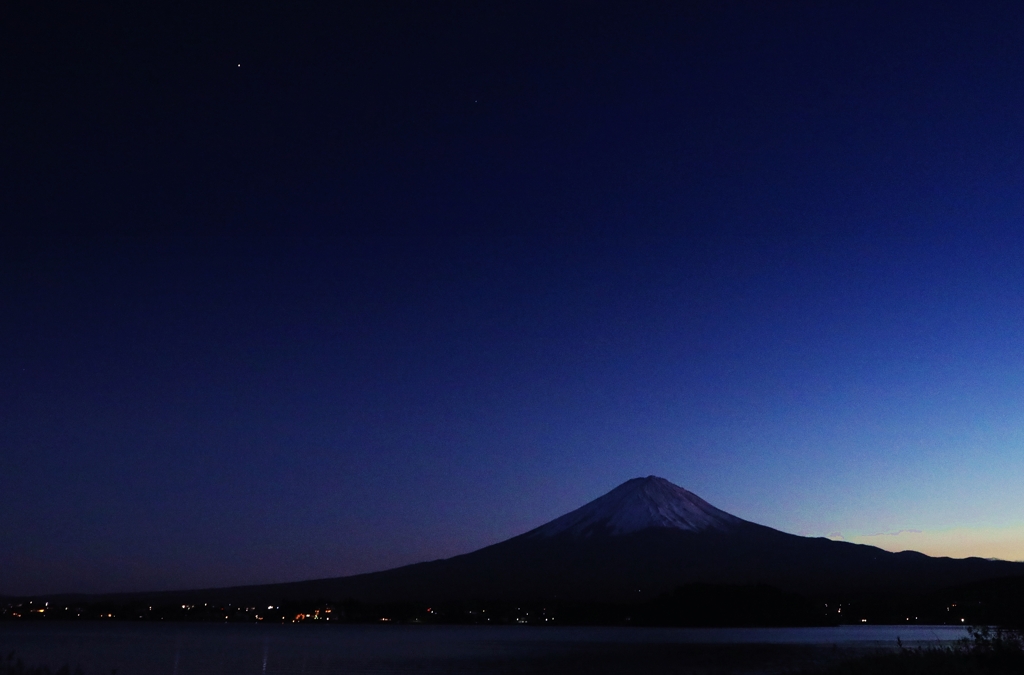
(201, 649)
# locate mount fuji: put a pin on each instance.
(641, 539)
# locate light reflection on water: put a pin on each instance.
(222, 649)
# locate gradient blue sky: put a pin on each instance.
(293, 293)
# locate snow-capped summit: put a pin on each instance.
(639, 504)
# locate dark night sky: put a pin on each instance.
(290, 293)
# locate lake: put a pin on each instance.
(244, 649)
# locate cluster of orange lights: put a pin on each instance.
(316, 615)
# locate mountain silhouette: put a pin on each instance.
(644, 538)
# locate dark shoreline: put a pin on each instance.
(997, 602)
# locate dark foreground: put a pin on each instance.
(929, 662)
(593, 659)
(677, 659)
(95, 648)
(590, 659)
